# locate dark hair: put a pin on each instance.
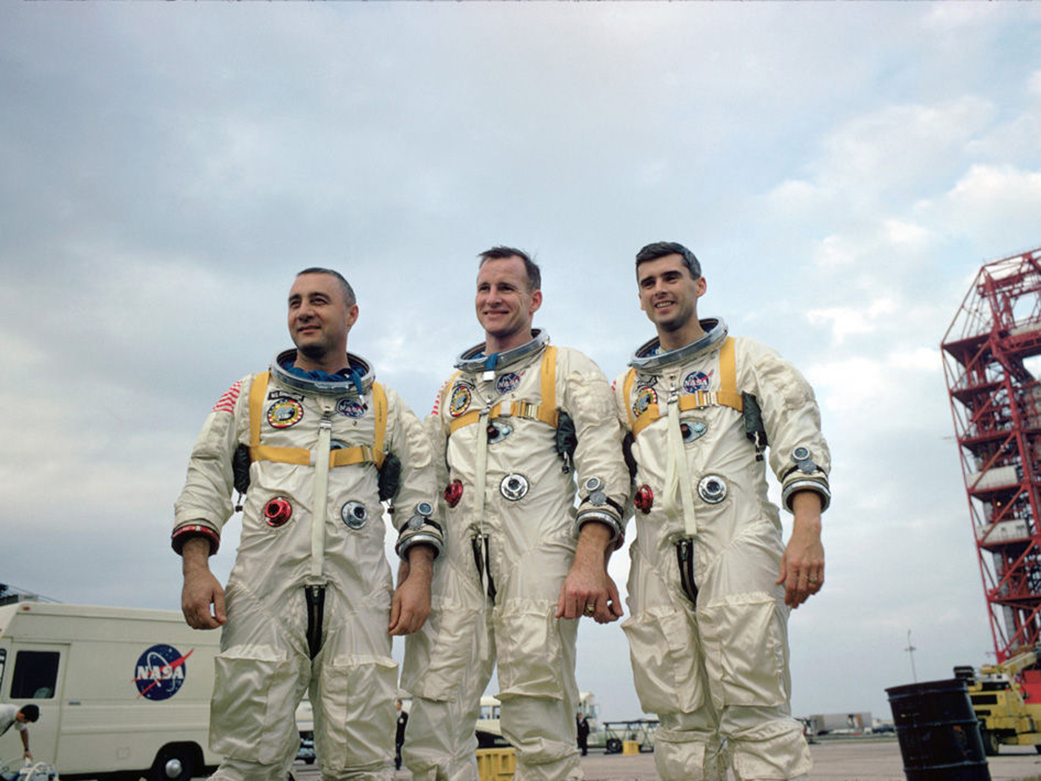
(660, 249)
(501, 253)
(31, 712)
(345, 286)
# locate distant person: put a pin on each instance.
(20, 719)
(399, 737)
(513, 428)
(711, 582)
(310, 601)
(582, 730)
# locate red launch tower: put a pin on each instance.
(996, 405)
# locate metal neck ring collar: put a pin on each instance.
(344, 387)
(648, 358)
(473, 360)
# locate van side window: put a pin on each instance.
(35, 675)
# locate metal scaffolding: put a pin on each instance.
(996, 406)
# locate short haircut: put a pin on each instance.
(31, 712)
(660, 249)
(502, 253)
(345, 286)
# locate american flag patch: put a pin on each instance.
(437, 399)
(226, 403)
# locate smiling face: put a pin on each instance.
(319, 321)
(669, 295)
(505, 303)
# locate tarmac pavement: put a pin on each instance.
(834, 760)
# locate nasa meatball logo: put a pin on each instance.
(697, 381)
(507, 382)
(160, 672)
(352, 408)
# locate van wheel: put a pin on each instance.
(173, 763)
(991, 744)
(613, 746)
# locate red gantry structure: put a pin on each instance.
(996, 405)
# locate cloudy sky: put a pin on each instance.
(842, 170)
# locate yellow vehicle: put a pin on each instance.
(489, 732)
(1006, 698)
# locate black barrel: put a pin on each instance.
(938, 732)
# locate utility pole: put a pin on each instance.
(910, 650)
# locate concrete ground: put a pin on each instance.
(834, 760)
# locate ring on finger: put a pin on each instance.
(590, 608)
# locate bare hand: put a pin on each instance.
(410, 606)
(588, 590)
(202, 598)
(802, 565)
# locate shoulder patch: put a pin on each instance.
(460, 400)
(226, 403)
(645, 397)
(285, 413)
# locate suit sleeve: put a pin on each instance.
(204, 505)
(598, 455)
(415, 504)
(799, 455)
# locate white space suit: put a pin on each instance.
(308, 600)
(511, 528)
(708, 624)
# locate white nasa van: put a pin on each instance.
(121, 691)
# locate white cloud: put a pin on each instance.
(20, 354)
(908, 236)
(896, 150)
(993, 205)
(836, 251)
(848, 384)
(952, 16)
(1012, 138)
(997, 187)
(922, 359)
(652, 172)
(1034, 84)
(795, 197)
(845, 321)
(884, 381)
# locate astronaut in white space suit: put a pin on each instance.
(711, 582)
(310, 601)
(513, 428)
